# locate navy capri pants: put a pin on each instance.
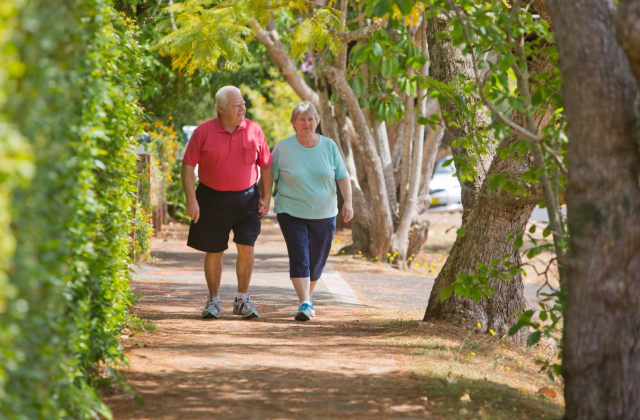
(308, 243)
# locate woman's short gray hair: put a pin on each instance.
(223, 93)
(305, 108)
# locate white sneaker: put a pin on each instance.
(244, 308)
(211, 310)
(304, 312)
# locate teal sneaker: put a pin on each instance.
(304, 312)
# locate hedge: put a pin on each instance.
(69, 275)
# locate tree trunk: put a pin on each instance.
(487, 239)
(447, 63)
(379, 133)
(409, 210)
(382, 229)
(601, 364)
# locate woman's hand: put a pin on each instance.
(347, 211)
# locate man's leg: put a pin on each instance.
(244, 267)
(213, 272)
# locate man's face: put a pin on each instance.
(234, 111)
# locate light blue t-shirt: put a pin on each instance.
(307, 178)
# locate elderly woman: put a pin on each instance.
(307, 167)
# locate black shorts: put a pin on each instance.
(222, 211)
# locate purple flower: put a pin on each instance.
(306, 67)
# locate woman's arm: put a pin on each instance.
(345, 190)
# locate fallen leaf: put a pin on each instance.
(406, 408)
(463, 412)
(548, 392)
(465, 397)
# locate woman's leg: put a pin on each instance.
(303, 287)
(296, 236)
(320, 237)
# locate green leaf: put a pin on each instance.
(517, 244)
(461, 232)
(377, 49)
(543, 316)
(534, 337)
(515, 328)
(477, 295)
(446, 293)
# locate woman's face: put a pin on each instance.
(305, 124)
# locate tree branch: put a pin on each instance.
(271, 40)
(360, 33)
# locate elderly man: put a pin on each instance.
(228, 150)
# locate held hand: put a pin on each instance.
(193, 210)
(347, 212)
(263, 207)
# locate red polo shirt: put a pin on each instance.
(228, 162)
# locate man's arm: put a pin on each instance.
(188, 184)
(345, 189)
(265, 188)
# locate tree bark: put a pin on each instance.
(601, 364)
(447, 63)
(628, 32)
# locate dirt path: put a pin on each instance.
(340, 366)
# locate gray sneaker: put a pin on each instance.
(244, 308)
(211, 310)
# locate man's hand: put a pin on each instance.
(347, 211)
(193, 210)
(263, 207)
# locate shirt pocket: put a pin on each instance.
(250, 154)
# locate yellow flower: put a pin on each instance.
(540, 354)
(503, 345)
(507, 367)
(388, 255)
(492, 332)
(359, 252)
(417, 265)
(376, 258)
(473, 354)
(464, 319)
(363, 258)
(391, 258)
(380, 263)
(479, 326)
(331, 250)
(461, 311)
(523, 391)
(519, 362)
(410, 259)
(343, 251)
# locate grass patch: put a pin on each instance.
(469, 375)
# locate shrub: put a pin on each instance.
(70, 273)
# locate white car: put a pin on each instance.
(444, 188)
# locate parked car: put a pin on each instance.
(444, 188)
